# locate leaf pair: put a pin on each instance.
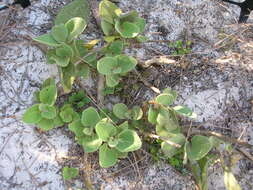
(121, 111)
(118, 141)
(63, 33)
(128, 25)
(114, 67)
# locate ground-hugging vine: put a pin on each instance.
(113, 133)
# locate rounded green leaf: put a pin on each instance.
(136, 113)
(47, 111)
(126, 63)
(75, 27)
(60, 61)
(127, 29)
(106, 65)
(32, 115)
(165, 99)
(48, 95)
(48, 82)
(185, 111)
(82, 70)
(46, 124)
(76, 8)
(76, 127)
(107, 156)
(69, 173)
(167, 119)
(108, 11)
(64, 51)
(67, 77)
(60, 33)
(170, 150)
(152, 115)
(140, 22)
(128, 140)
(47, 39)
(91, 143)
(116, 47)
(105, 130)
(67, 114)
(58, 121)
(106, 27)
(198, 148)
(90, 117)
(119, 110)
(112, 80)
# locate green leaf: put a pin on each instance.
(164, 132)
(47, 111)
(77, 8)
(123, 126)
(58, 121)
(136, 113)
(32, 115)
(167, 119)
(82, 70)
(76, 127)
(91, 143)
(170, 150)
(116, 47)
(48, 82)
(67, 113)
(60, 61)
(198, 148)
(185, 111)
(107, 156)
(127, 29)
(230, 181)
(47, 39)
(165, 99)
(64, 51)
(69, 173)
(105, 130)
(59, 33)
(140, 22)
(108, 11)
(152, 115)
(106, 65)
(75, 27)
(90, 117)
(119, 110)
(106, 27)
(112, 80)
(67, 77)
(46, 124)
(126, 63)
(48, 95)
(128, 141)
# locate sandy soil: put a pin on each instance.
(216, 81)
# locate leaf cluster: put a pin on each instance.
(44, 114)
(112, 141)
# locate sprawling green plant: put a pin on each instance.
(114, 133)
(67, 52)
